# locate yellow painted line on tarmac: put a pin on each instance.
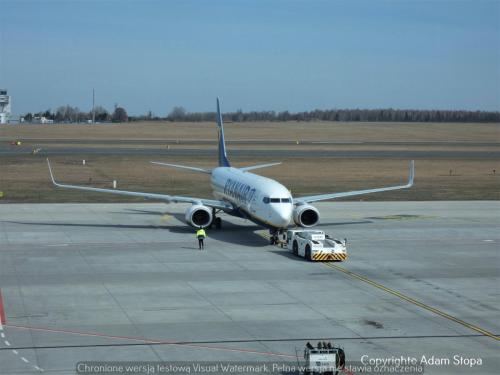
(406, 298)
(165, 218)
(413, 301)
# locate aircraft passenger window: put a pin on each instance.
(275, 200)
(266, 200)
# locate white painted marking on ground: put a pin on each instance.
(14, 351)
(488, 240)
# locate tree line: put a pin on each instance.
(71, 114)
(367, 115)
(179, 114)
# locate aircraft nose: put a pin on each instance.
(282, 216)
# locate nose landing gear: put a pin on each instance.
(275, 234)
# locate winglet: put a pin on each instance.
(411, 173)
(223, 162)
(51, 175)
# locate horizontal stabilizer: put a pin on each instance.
(258, 166)
(193, 169)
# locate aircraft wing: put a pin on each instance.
(162, 197)
(322, 197)
(193, 169)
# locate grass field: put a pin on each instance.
(25, 178)
(333, 131)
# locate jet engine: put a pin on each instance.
(306, 215)
(199, 216)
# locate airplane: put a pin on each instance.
(238, 192)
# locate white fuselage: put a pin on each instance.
(261, 199)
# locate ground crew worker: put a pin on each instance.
(200, 234)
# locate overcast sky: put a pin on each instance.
(255, 55)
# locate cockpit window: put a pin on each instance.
(276, 200)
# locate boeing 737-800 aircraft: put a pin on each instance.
(240, 193)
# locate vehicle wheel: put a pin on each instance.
(341, 357)
(308, 252)
(218, 223)
(295, 248)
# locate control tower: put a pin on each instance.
(4, 107)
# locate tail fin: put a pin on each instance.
(223, 162)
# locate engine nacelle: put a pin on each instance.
(306, 215)
(199, 215)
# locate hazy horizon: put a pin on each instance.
(255, 55)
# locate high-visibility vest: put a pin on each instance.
(200, 233)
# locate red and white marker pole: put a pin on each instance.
(3, 320)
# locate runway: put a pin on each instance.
(125, 282)
(251, 153)
(250, 148)
(271, 142)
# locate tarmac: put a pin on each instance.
(126, 282)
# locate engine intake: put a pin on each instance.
(199, 216)
(306, 215)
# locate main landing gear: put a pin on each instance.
(215, 220)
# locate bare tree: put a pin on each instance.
(177, 114)
(101, 114)
(119, 115)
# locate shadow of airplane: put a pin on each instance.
(241, 235)
(128, 211)
(117, 226)
(343, 223)
(181, 218)
(131, 211)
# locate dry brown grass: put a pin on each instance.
(26, 179)
(290, 147)
(331, 131)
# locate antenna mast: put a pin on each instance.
(93, 106)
